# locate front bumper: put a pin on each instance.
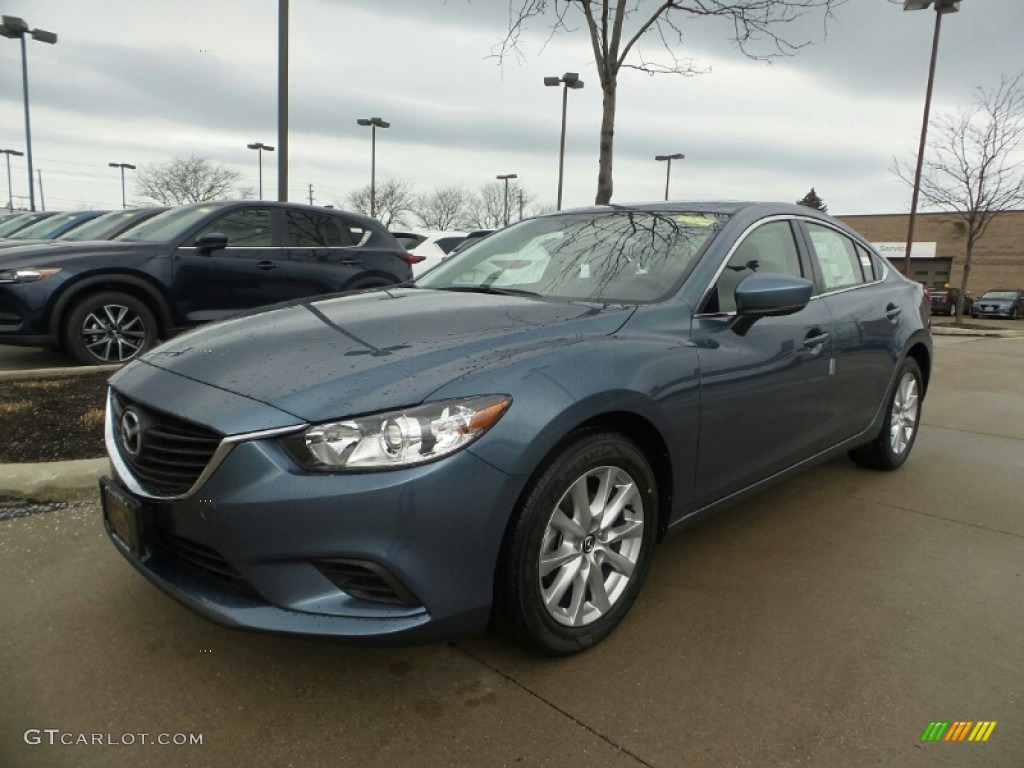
(248, 549)
(991, 311)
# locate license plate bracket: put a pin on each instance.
(123, 517)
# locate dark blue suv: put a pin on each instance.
(108, 302)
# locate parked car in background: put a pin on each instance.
(1003, 302)
(107, 302)
(510, 436)
(50, 227)
(19, 221)
(471, 238)
(432, 247)
(110, 225)
(944, 301)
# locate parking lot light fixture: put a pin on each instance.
(942, 7)
(15, 27)
(122, 166)
(10, 189)
(374, 123)
(505, 177)
(260, 147)
(668, 169)
(568, 80)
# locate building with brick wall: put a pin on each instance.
(940, 245)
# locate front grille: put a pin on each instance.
(199, 559)
(365, 580)
(170, 454)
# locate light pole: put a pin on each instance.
(10, 189)
(568, 80)
(14, 27)
(260, 147)
(942, 7)
(122, 166)
(505, 177)
(668, 168)
(374, 123)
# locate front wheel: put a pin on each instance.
(892, 445)
(109, 327)
(577, 551)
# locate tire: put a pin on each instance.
(109, 327)
(369, 283)
(566, 577)
(892, 445)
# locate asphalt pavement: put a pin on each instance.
(827, 622)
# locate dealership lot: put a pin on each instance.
(826, 622)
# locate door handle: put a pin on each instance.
(892, 312)
(266, 266)
(815, 341)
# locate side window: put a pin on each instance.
(841, 265)
(246, 228)
(769, 248)
(307, 229)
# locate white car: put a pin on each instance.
(431, 245)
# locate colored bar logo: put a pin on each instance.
(958, 730)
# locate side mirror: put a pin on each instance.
(769, 295)
(211, 242)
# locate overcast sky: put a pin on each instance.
(143, 82)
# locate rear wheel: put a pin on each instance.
(577, 552)
(892, 445)
(109, 327)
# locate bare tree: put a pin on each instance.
(396, 199)
(975, 167)
(191, 180)
(616, 27)
(486, 210)
(442, 209)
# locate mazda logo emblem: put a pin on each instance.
(131, 433)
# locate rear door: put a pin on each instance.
(865, 312)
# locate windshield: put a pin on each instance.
(101, 228)
(606, 256)
(1001, 295)
(11, 223)
(170, 225)
(42, 229)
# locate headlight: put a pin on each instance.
(27, 275)
(399, 438)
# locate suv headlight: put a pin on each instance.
(27, 275)
(398, 438)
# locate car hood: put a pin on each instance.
(995, 302)
(51, 253)
(357, 354)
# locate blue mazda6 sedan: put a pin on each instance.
(506, 440)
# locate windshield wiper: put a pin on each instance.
(487, 289)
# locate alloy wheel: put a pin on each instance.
(113, 333)
(591, 546)
(903, 421)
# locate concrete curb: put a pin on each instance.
(51, 481)
(54, 373)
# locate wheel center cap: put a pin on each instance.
(589, 543)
